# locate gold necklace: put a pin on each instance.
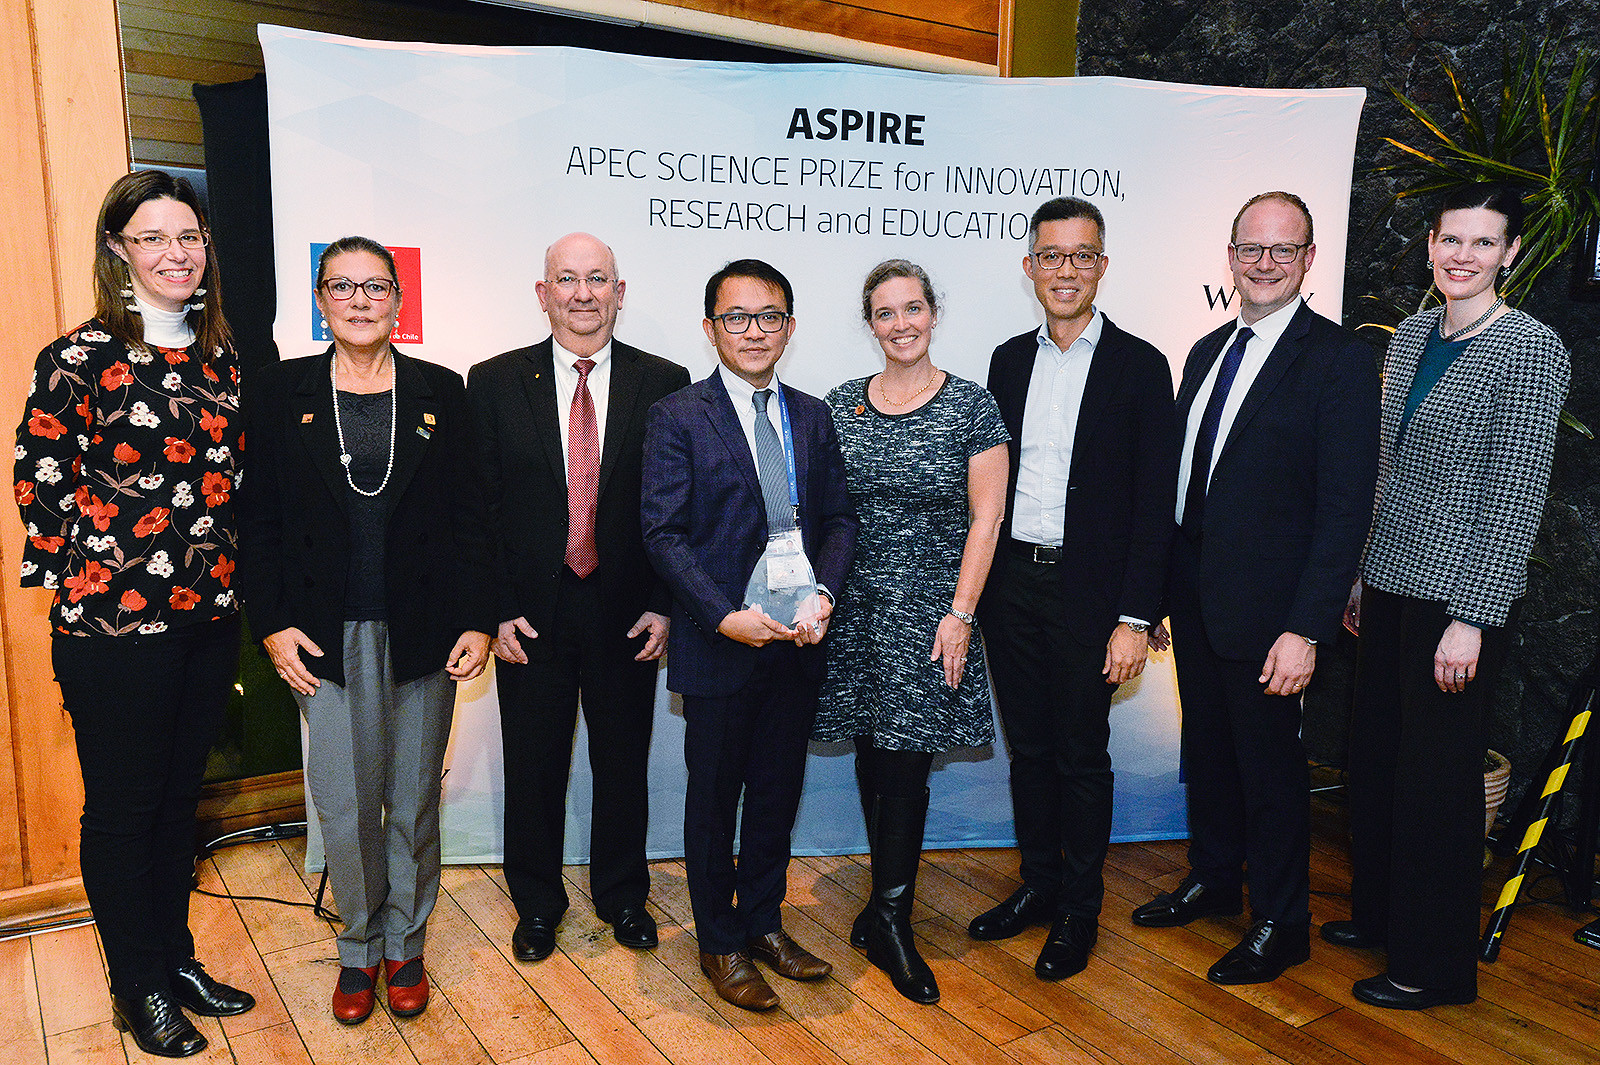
(884, 392)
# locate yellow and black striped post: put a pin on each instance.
(1585, 696)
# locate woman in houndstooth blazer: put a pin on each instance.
(1471, 396)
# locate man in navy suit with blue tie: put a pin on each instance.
(731, 463)
(1280, 457)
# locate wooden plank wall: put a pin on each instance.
(168, 45)
(64, 140)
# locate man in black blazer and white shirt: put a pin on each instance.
(1078, 576)
(562, 429)
(1275, 487)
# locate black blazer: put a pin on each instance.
(1291, 492)
(294, 527)
(513, 399)
(705, 525)
(1120, 491)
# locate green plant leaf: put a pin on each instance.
(1540, 138)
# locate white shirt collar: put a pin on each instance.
(1090, 335)
(742, 392)
(1270, 328)
(565, 358)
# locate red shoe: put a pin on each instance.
(408, 986)
(354, 994)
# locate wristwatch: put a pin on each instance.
(1137, 626)
(962, 615)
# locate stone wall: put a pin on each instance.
(1376, 44)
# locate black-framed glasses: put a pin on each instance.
(570, 282)
(377, 289)
(152, 241)
(738, 321)
(1281, 253)
(1053, 259)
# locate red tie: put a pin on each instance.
(583, 475)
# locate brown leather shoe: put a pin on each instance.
(737, 981)
(408, 986)
(354, 994)
(788, 958)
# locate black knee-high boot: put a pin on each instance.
(896, 828)
(858, 930)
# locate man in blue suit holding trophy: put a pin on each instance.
(744, 507)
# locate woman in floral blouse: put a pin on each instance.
(127, 459)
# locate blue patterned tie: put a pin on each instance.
(772, 467)
(1205, 440)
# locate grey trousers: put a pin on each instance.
(376, 755)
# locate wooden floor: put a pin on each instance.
(1144, 998)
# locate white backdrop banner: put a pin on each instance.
(470, 161)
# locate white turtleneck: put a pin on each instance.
(165, 329)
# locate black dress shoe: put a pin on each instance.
(1263, 954)
(534, 938)
(157, 1025)
(1191, 899)
(1025, 907)
(198, 992)
(1066, 951)
(1349, 934)
(634, 927)
(1380, 991)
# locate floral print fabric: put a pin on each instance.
(126, 464)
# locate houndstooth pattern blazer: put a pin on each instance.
(1460, 498)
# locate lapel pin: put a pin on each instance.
(428, 418)
(424, 432)
(305, 419)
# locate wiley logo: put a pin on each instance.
(1224, 296)
(408, 329)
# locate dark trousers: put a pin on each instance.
(1055, 706)
(1416, 792)
(538, 719)
(145, 711)
(751, 743)
(1248, 782)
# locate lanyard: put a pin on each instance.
(788, 454)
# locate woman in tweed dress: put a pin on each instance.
(1471, 396)
(925, 462)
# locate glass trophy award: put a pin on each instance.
(783, 585)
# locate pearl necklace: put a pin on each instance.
(394, 418)
(884, 392)
(1484, 317)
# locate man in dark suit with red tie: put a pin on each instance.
(562, 431)
(1275, 486)
(1078, 575)
(734, 464)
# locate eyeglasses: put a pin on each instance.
(570, 282)
(188, 240)
(739, 322)
(376, 288)
(1281, 253)
(1051, 259)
